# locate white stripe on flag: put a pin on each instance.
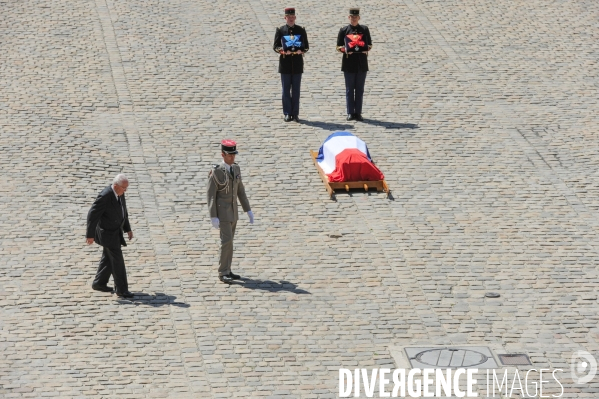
(334, 146)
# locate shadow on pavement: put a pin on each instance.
(156, 300)
(267, 285)
(390, 125)
(326, 125)
(353, 191)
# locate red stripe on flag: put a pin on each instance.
(353, 165)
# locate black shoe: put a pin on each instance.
(225, 279)
(125, 294)
(234, 276)
(288, 118)
(350, 117)
(103, 288)
(295, 118)
(359, 117)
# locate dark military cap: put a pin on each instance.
(290, 11)
(228, 146)
(354, 11)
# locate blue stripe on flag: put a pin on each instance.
(320, 156)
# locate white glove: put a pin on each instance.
(215, 222)
(251, 216)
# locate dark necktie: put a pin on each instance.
(121, 205)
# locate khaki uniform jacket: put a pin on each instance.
(222, 202)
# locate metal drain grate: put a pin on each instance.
(514, 359)
(451, 357)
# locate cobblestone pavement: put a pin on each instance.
(482, 114)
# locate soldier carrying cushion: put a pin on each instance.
(224, 188)
(291, 42)
(355, 42)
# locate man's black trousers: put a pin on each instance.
(112, 262)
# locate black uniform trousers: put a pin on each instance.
(291, 83)
(112, 262)
(354, 91)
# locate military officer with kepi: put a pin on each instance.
(225, 186)
(291, 42)
(355, 42)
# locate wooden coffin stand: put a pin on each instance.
(380, 185)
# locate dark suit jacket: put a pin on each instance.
(105, 221)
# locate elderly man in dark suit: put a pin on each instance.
(106, 221)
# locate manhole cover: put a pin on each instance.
(514, 359)
(451, 357)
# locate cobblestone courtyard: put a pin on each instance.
(482, 114)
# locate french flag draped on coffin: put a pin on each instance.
(344, 157)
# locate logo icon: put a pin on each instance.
(583, 367)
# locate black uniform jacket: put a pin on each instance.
(290, 63)
(355, 62)
(105, 221)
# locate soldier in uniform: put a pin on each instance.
(291, 62)
(224, 188)
(354, 64)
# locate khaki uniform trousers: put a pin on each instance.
(227, 232)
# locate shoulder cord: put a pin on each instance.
(218, 183)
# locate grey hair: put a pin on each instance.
(120, 179)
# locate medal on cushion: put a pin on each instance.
(292, 43)
(354, 42)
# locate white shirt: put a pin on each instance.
(117, 198)
(227, 166)
(115, 194)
